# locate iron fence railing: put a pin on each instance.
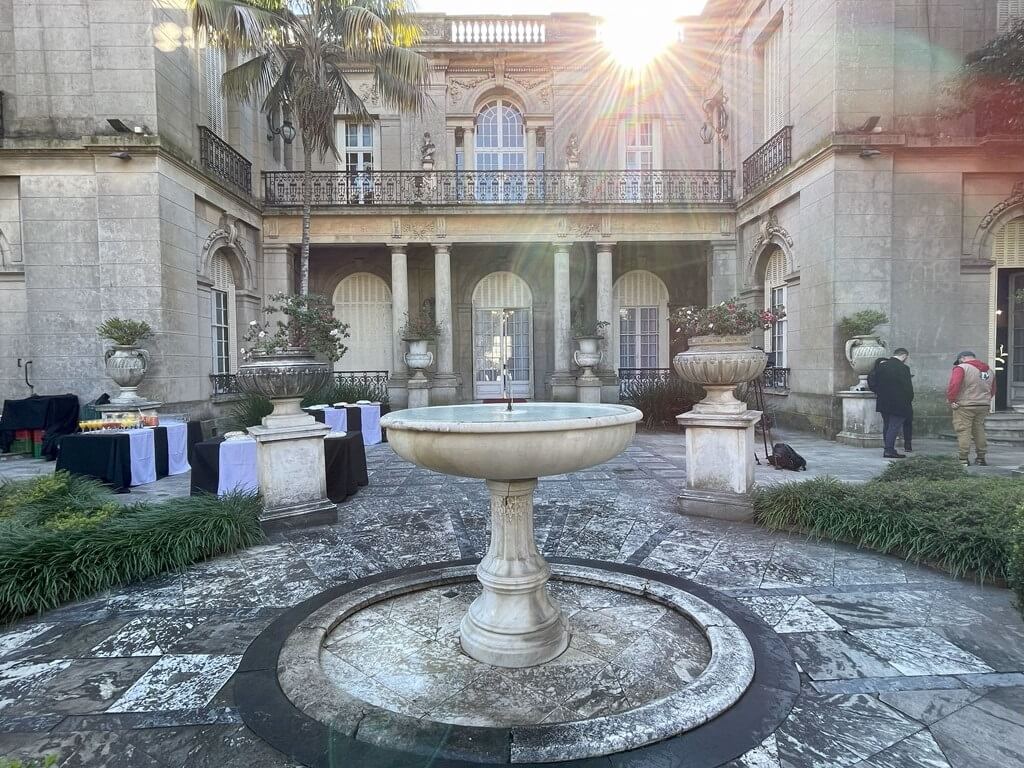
(629, 378)
(374, 384)
(223, 161)
(768, 161)
(775, 378)
(336, 188)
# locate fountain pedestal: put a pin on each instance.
(514, 623)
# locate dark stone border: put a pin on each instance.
(760, 710)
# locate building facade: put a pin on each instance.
(542, 187)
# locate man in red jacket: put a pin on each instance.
(971, 389)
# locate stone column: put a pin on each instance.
(605, 309)
(449, 147)
(531, 148)
(563, 382)
(397, 389)
(469, 147)
(277, 268)
(445, 381)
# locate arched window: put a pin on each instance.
(500, 153)
(502, 337)
(640, 339)
(363, 300)
(775, 341)
(223, 331)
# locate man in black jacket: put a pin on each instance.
(895, 396)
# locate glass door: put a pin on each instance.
(501, 345)
(1015, 365)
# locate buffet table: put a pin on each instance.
(56, 414)
(224, 466)
(125, 458)
(360, 417)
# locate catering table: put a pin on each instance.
(221, 466)
(56, 414)
(123, 458)
(358, 417)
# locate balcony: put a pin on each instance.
(769, 161)
(775, 379)
(497, 30)
(527, 188)
(221, 160)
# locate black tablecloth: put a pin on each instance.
(344, 462)
(107, 456)
(354, 419)
(57, 414)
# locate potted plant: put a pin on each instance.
(863, 346)
(282, 356)
(126, 362)
(720, 355)
(417, 333)
(589, 337)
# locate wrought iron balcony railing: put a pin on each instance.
(775, 378)
(224, 384)
(221, 159)
(768, 161)
(629, 378)
(335, 188)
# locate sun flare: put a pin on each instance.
(635, 39)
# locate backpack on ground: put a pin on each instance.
(784, 457)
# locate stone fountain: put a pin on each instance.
(514, 623)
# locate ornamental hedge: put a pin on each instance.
(924, 509)
(64, 538)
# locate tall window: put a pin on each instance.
(212, 65)
(359, 161)
(775, 341)
(222, 316)
(638, 337)
(773, 70)
(500, 147)
(639, 145)
(1009, 11)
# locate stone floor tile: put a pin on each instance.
(177, 682)
(145, 636)
(930, 706)
(916, 751)
(791, 613)
(765, 755)
(84, 686)
(837, 655)
(985, 734)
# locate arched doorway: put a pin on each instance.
(363, 300)
(502, 336)
(1008, 283)
(640, 337)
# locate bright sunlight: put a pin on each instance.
(635, 39)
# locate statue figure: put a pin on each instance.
(572, 152)
(427, 150)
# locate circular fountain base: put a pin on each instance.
(654, 664)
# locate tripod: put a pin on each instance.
(766, 429)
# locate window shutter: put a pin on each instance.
(1008, 245)
(1008, 12)
(363, 301)
(774, 274)
(212, 66)
(775, 84)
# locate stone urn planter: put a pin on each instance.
(284, 378)
(589, 354)
(861, 354)
(719, 364)
(127, 366)
(418, 357)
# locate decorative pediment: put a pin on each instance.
(1016, 198)
(769, 230)
(226, 235)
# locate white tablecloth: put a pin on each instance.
(371, 423)
(237, 467)
(336, 419)
(177, 447)
(143, 456)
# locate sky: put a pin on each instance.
(596, 7)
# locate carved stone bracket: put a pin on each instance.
(769, 231)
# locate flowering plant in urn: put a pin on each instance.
(418, 332)
(281, 354)
(720, 355)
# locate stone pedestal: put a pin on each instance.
(588, 389)
(419, 392)
(398, 391)
(514, 623)
(444, 389)
(862, 425)
(290, 470)
(719, 464)
(562, 385)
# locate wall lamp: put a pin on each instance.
(286, 131)
(867, 153)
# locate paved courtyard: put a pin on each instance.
(902, 667)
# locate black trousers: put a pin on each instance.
(908, 431)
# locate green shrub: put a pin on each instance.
(249, 410)
(1015, 566)
(46, 762)
(69, 545)
(924, 468)
(861, 323)
(661, 400)
(962, 526)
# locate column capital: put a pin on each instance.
(398, 248)
(278, 247)
(562, 246)
(606, 245)
(442, 247)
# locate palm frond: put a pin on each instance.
(252, 80)
(236, 24)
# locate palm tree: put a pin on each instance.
(298, 55)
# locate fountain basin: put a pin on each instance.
(533, 440)
(514, 622)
